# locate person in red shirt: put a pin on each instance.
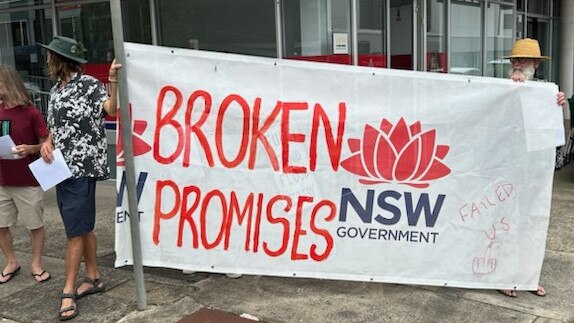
(20, 195)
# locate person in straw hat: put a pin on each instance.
(77, 106)
(525, 58)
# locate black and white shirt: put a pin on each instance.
(76, 120)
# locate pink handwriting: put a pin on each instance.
(497, 196)
(485, 264)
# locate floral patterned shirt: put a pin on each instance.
(76, 120)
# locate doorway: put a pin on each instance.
(402, 47)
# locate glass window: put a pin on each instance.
(90, 24)
(436, 53)
(318, 31)
(19, 33)
(556, 8)
(499, 40)
(519, 26)
(466, 51)
(239, 26)
(22, 3)
(371, 36)
(555, 75)
(541, 7)
(539, 29)
(401, 33)
(136, 21)
(520, 5)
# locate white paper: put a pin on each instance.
(49, 175)
(340, 43)
(6, 145)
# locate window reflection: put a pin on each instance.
(90, 24)
(538, 28)
(19, 33)
(466, 56)
(539, 7)
(21, 3)
(136, 21)
(436, 53)
(238, 26)
(498, 39)
(371, 35)
(317, 31)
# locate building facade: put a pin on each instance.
(441, 36)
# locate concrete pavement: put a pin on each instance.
(171, 295)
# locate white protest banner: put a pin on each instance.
(276, 167)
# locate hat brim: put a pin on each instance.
(66, 55)
(526, 56)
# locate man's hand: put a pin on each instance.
(113, 72)
(518, 76)
(561, 98)
(46, 151)
(25, 150)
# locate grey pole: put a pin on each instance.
(354, 33)
(153, 23)
(125, 124)
(278, 29)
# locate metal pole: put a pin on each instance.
(415, 34)
(125, 124)
(153, 23)
(389, 34)
(354, 33)
(55, 19)
(278, 29)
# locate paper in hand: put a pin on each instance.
(6, 146)
(49, 175)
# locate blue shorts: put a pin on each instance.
(77, 203)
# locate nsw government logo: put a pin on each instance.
(393, 154)
(397, 154)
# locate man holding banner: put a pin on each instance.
(525, 58)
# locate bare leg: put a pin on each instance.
(90, 257)
(37, 238)
(73, 260)
(6, 243)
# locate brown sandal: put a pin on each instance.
(96, 288)
(68, 308)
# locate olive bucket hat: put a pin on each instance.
(526, 48)
(67, 47)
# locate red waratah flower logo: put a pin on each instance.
(397, 154)
(140, 147)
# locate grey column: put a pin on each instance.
(566, 65)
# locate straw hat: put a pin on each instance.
(526, 48)
(67, 47)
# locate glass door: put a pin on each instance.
(435, 36)
(539, 28)
(371, 33)
(317, 30)
(402, 49)
(385, 33)
(465, 37)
